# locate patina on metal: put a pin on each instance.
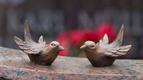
(104, 53)
(39, 53)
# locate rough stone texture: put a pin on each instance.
(15, 64)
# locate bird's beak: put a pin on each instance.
(61, 48)
(82, 47)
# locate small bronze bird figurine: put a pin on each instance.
(39, 53)
(104, 53)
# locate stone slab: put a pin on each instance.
(14, 64)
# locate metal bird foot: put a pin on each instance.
(104, 53)
(39, 53)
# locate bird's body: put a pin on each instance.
(39, 53)
(45, 56)
(104, 53)
(97, 58)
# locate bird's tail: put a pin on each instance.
(119, 38)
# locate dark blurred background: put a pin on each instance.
(51, 17)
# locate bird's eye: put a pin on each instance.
(91, 45)
(53, 44)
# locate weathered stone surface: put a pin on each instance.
(15, 64)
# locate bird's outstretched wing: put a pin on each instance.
(114, 49)
(104, 40)
(118, 41)
(29, 46)
(117, 51)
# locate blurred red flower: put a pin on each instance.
(77, 37)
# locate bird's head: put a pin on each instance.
(88, 45)
(56, 45)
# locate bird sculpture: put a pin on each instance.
(39, 53)
(104, 53)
